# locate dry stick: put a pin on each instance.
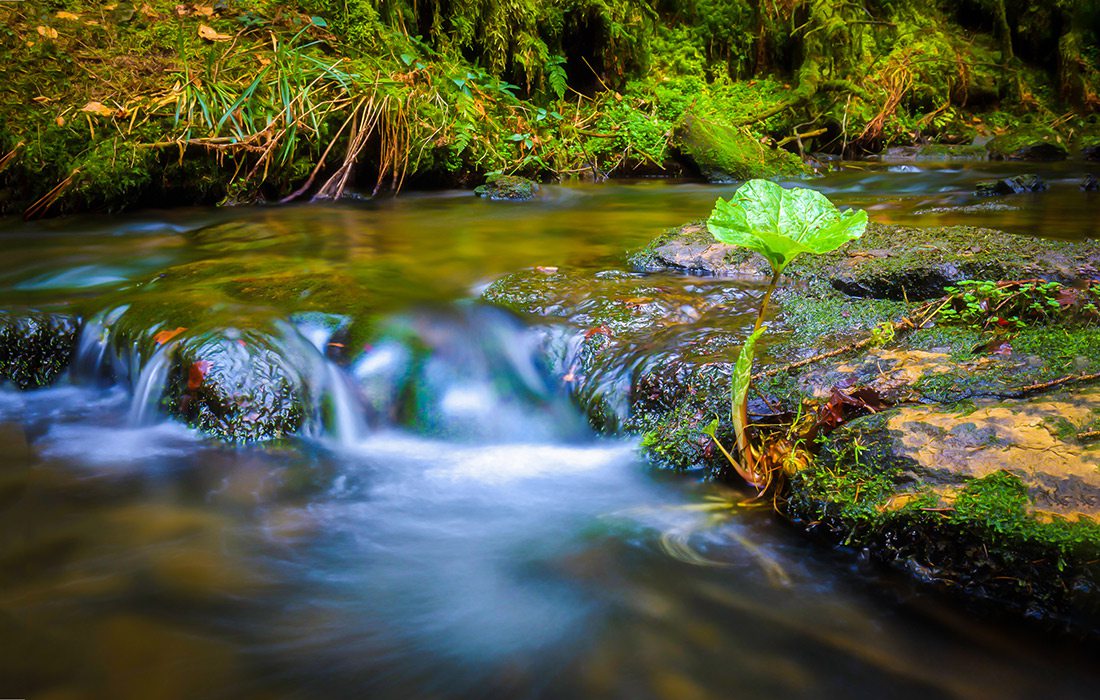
(10, 156)
(904, 324)
(39, 208)
(1054, 383)
(320, 164)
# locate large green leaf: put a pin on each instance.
(781, 224)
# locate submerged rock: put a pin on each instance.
(1017, 184)
(1034, 143)
(724, 153)
(35, 347)
(508, 187)
(1090, 184)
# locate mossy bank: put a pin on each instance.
(123, 105)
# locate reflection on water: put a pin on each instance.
(482, 543)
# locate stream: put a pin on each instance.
(476, 540)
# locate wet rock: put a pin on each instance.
(997, 500)
(508, 187)
(724, 153)
(1088, 144)
(1034, 143)
(1090, 184)
(240, 386)
(35, 347)
(1017, 184)
(888, 262)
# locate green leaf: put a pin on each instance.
(407, 59)
(781, 224)
(742, 375)
(318, 21)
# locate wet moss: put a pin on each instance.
(507, 187)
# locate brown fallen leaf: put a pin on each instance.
(148, 12)
(98, 108)
(211, 34)
(48, 32)
(67, 15)
(41, 99)
(60, 121)
(204, 10)
(164, 336)
(183, 10)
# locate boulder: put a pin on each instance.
(888, 262)
(508, 187)
(725, 153)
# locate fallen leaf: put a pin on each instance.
(67, 15)
(48, 32)
(60, 121)
(204, 10)
(211, 34)
(196, 373)
(164, 336)
(149, 12)
(98, 108)
(183, 10)
(41, 99)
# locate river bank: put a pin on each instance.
(118, 106)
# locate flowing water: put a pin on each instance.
(447, 525)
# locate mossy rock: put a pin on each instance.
(508, 187)
(888, 262)
(725, 153)
(1033, 143)
(35, 347)
(1087, 143)
(994, 500)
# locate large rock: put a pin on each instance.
(996, 500)
(972, 476)
(35, 347)
(725, 153)
(508, 187)
(888, 262)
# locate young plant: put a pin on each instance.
(780, 224)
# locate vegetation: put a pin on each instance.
(780, 225)
(113, 105)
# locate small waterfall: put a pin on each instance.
(149, 386)
(466, 373)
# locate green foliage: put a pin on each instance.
(1011, 306)
(781, 224)
(742, 375)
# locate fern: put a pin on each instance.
(556, 77)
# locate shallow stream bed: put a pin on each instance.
(486, 542)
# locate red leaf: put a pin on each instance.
(197, 373)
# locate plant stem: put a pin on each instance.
(764, 302)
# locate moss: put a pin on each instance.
(723, 152)
(983, 543)
(819, 316)
(1032, 143)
